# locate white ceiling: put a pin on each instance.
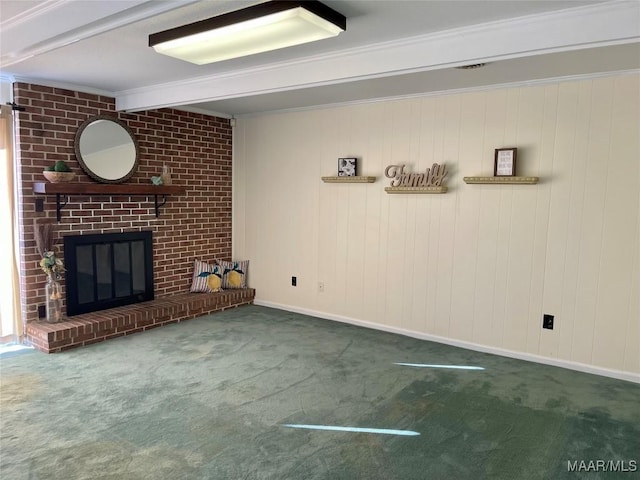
(391, 48)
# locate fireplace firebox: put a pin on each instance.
(107, 270)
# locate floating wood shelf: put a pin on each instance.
(349, 179)
(128, 189)
(502, 180)
(441, 189)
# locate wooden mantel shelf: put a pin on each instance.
(71, 188)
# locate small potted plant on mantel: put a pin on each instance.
(58, 172)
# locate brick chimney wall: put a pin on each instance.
(196, 148)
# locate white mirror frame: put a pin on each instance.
(125, 165)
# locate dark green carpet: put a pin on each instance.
(208, 398)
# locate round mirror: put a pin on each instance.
(106, 149)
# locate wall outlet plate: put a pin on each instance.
(547, 321)
(294, 281)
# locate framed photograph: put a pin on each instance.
(347, 167)
(505, 162)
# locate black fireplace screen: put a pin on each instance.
(107, 270)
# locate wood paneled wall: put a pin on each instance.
(480, 264)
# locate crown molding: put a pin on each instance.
(63, 85)
(32, 13)
(96, 91)
(453, 91)
(114, 17)
(583, 27)
(204, 111)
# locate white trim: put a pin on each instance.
(529, 357)
(202, 111)
(6, 89)
(114, 18)
(97, 91)
(66, 86)
(453, 91)
(32, 13)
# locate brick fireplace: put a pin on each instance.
(196, 148)
(107, 270)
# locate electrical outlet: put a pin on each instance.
(294, 281)
(547, 321)
(321, 287)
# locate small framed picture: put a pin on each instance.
(347, 167)
(505, 162)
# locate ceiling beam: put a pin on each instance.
(584, 27)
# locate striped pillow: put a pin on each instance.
(206, 278)
(234, 274)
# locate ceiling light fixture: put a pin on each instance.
(260, 28)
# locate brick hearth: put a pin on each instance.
(100, 326)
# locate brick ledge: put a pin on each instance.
(100, 326)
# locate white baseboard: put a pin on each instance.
(580, 367)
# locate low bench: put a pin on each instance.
(97, 327)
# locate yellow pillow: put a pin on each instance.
(234, 274)
(206, 278)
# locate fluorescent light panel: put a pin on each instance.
(261, 28)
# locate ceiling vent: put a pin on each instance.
(473, 66)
